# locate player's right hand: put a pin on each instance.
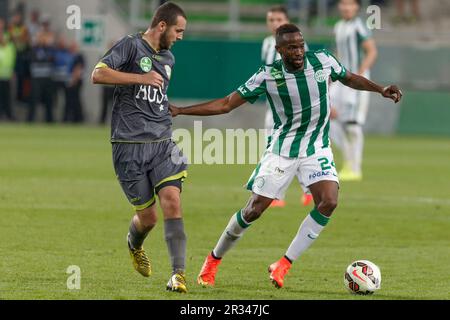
(174, 111)
(392, 92)
(152, 78)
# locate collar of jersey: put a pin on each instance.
(146, 43)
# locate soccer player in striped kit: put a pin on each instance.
(357, 51)
(276, 16)
(297, 87)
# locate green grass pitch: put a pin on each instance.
(61, 205)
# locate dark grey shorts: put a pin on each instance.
(144, 168)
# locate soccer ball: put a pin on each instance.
(362, 277)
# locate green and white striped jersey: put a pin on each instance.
(268, 52)
(349, 37)
(299, 102)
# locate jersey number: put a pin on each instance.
(324, 164)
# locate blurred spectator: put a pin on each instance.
(42, 60)
(401, 17)
(7, 61)
(107, 100)
(74, 109)
(46, 31)
(34, 25)
(19, 36)
(107, 96)
(61, 69)
(302, 8)
(308, 10)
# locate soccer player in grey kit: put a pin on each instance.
(146, 160)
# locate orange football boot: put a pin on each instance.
(278, 271)
(208, 272)
(307, 198)
(277, 203)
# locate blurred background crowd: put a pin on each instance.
(45, 67)
(38, 66)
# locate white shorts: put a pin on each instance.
(274, 173)
(351, 105)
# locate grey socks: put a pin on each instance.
(135, 237)
(176, 243)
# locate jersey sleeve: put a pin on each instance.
(254, 87)
(264, 51)
(338, 71)
(363, 32)
(119, 55)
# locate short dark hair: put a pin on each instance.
(168, 12)
(280, 9)
(285, 28)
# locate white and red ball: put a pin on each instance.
(362, 277)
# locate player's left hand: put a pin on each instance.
(392, 92)
(174, 110)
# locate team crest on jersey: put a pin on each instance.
(168, 70)
(320, 76)
(145, 64)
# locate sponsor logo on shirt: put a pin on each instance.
(276, 74)
(148, 93)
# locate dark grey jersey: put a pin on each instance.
(140, 113)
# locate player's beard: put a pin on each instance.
(164, 42)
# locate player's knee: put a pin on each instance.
(171, 209)
(327, 205)
(170, 205)
(148, 217)
(169, 200)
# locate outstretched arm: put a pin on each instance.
(360, 83)
(218, 106)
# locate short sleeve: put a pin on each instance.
(119, 55)
(338, 71)
(264, 51)
(254, 87)
(363, 32)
